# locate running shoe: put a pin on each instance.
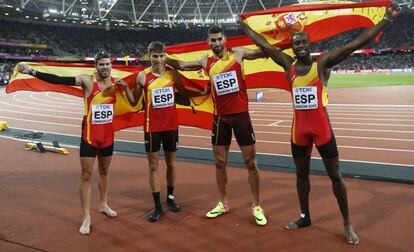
(259, 216)
(220, 209)
(172, 205)
(156, 215)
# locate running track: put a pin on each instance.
(368, 127)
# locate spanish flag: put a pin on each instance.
(321, 20)
(194, 112)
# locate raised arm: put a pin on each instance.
(187, 66)
(133, 97)
(336, 56)
(249, 54)
(51, 78)
(184, 91)
(277, 56)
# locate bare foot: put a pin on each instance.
(351, 236)
(105, 209)
(86, 226)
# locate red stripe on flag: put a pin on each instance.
(199, 119)
(313, 7)
(41, 86)
(330, 27)
(267, 80)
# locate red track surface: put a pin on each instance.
(41, 208)
(370, 124)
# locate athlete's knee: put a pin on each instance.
(302, 174)
(86, 175)
(220, 161)
(153, 168)
(251, 164)
(335, 177)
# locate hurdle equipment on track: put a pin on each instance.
(44, 147)
(3, 125)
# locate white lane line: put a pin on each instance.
(351, 129)
(42, 109)
(341, 136)
(345, 146)
(260, 141)
(352, 123)
(347, 160)
(44, 100)
(276, 123)
(45, 105)
(339, 105)
(336, 113)
(67, 98)
(34, 114)
(335, 117)
(42, 122)
(209, 149)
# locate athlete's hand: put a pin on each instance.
(239, 20)
(121, 83)
(206, 90)
(393, 10)
(23, 68)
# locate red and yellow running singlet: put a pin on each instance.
(99, 113)
(310, 120)
(227, 84)
(160, 110)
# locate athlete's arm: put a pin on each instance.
(277, 56)
(336, 56)
(187, 66)
(249, 54)
(184, 91)
(51, 78)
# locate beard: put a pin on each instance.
(217, 49)
(104, 74)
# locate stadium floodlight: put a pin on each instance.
(53, 11)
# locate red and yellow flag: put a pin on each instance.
(320, 20)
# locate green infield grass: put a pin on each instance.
(370, 79)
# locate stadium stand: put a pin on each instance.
(22, 39)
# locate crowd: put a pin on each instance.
(76, 41)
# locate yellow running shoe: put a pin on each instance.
(259, 216)
(220, 209)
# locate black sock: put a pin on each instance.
(304, 220)
(170, 190)
(157, 201)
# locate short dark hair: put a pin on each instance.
(300, 33)
(101, 55)
(215, 29)
(156, 46)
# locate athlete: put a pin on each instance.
(160, 123)
(97, 137)
(309, 79)
(231, 113)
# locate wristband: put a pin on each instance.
(32, 72)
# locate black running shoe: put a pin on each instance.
(171, 204)
(156, 215)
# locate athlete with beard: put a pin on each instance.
(231, 113)
(309, 79)
(97, 139)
